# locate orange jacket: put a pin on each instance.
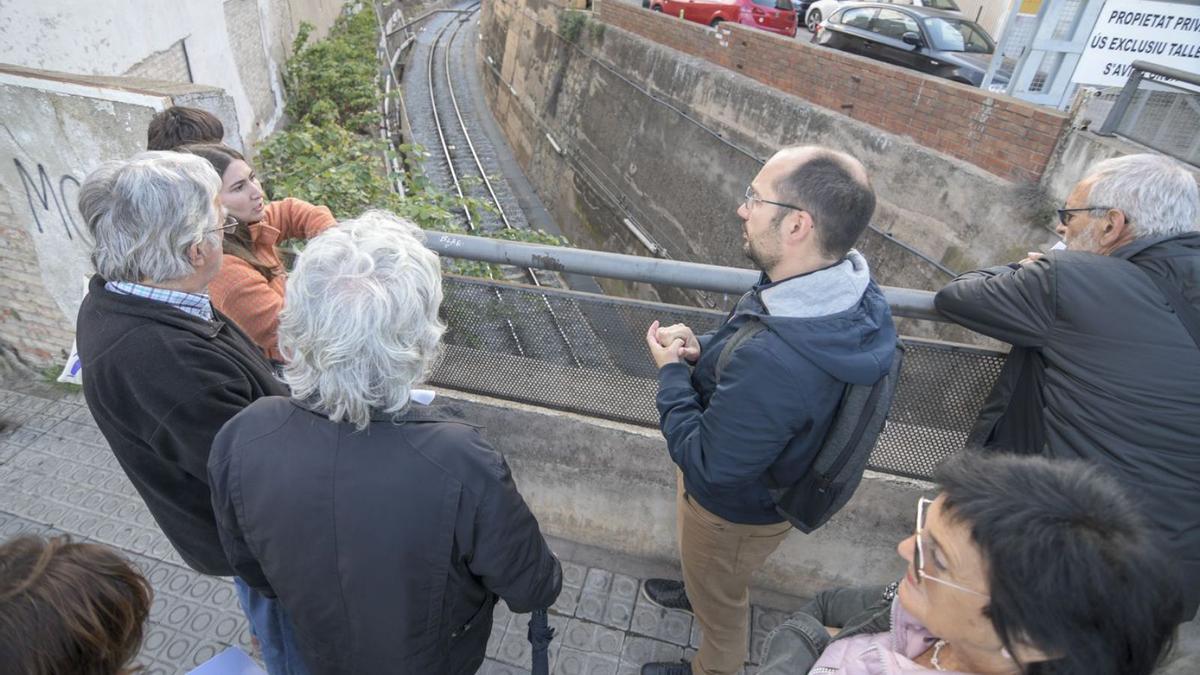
(242, 294)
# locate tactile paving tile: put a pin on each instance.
(574, 662)
(668, 625)
(762, 622)
(57, 476)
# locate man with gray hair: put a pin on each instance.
(384, 522)
(162, 369)
(1105, 363)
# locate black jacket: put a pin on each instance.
(1102, 369)
(386, 546)
(160, 383)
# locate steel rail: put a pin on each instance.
(529, 271)
(437, 123)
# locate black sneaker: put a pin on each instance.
(667, 668)
(667, 593)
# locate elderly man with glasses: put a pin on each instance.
(162, 370)
(822, 323)
(1105, 363)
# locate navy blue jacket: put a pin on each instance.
(776, 398)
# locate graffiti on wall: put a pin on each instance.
(42, 191)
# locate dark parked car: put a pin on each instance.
(929, 40)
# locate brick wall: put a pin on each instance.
(244, 28)
(1002, 135)
(170, 64)
(30, 321)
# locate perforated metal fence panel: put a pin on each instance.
(586, 353)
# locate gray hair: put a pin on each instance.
(359, 325)
(1157, 194)
(145, 213)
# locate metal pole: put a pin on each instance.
(1117, 112)
(540, 634)
(905, 302)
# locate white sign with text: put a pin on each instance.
(1163, 33)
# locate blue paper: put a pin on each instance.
(232, 661)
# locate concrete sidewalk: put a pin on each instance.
(58, 476)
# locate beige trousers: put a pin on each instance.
(719, 557)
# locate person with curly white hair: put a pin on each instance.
(382, 520)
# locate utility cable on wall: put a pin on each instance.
(933, 262)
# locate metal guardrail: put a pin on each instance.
(905, 302)
(501, 342)
(1165, 119)
(587, 355)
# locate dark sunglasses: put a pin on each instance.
(1064, 215)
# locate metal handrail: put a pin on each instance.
(1140, 68)
(905, 302)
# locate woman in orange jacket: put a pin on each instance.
(249, 288)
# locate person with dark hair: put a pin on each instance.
(68, 607)
(180, 125)
(250, 286)
(822, 324)
(1021, 565)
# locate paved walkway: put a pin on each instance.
(57, 475)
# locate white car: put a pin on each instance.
(823, 8)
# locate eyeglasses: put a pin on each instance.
(751, 198)
(228, 227)
(1064, 215)
(919, 554)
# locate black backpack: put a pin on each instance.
(838, 467)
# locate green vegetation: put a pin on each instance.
(331, 153)
(571, 23)
(334, 79)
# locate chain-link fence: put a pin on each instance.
(1159, 108)
(586, 354)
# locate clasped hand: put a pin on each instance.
(672, 344)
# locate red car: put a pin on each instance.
(777, 16)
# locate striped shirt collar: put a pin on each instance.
(196, 304)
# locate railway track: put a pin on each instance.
(469, 178)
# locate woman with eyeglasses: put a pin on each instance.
(249, 289)
(1021, 565)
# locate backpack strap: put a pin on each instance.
(745, 332)
(1188, 315)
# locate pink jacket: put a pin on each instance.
(888, 653)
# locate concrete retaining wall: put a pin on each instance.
(1006, 136)
(613, 486)
(1079, 151)
(645, 132)
(59, 127)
